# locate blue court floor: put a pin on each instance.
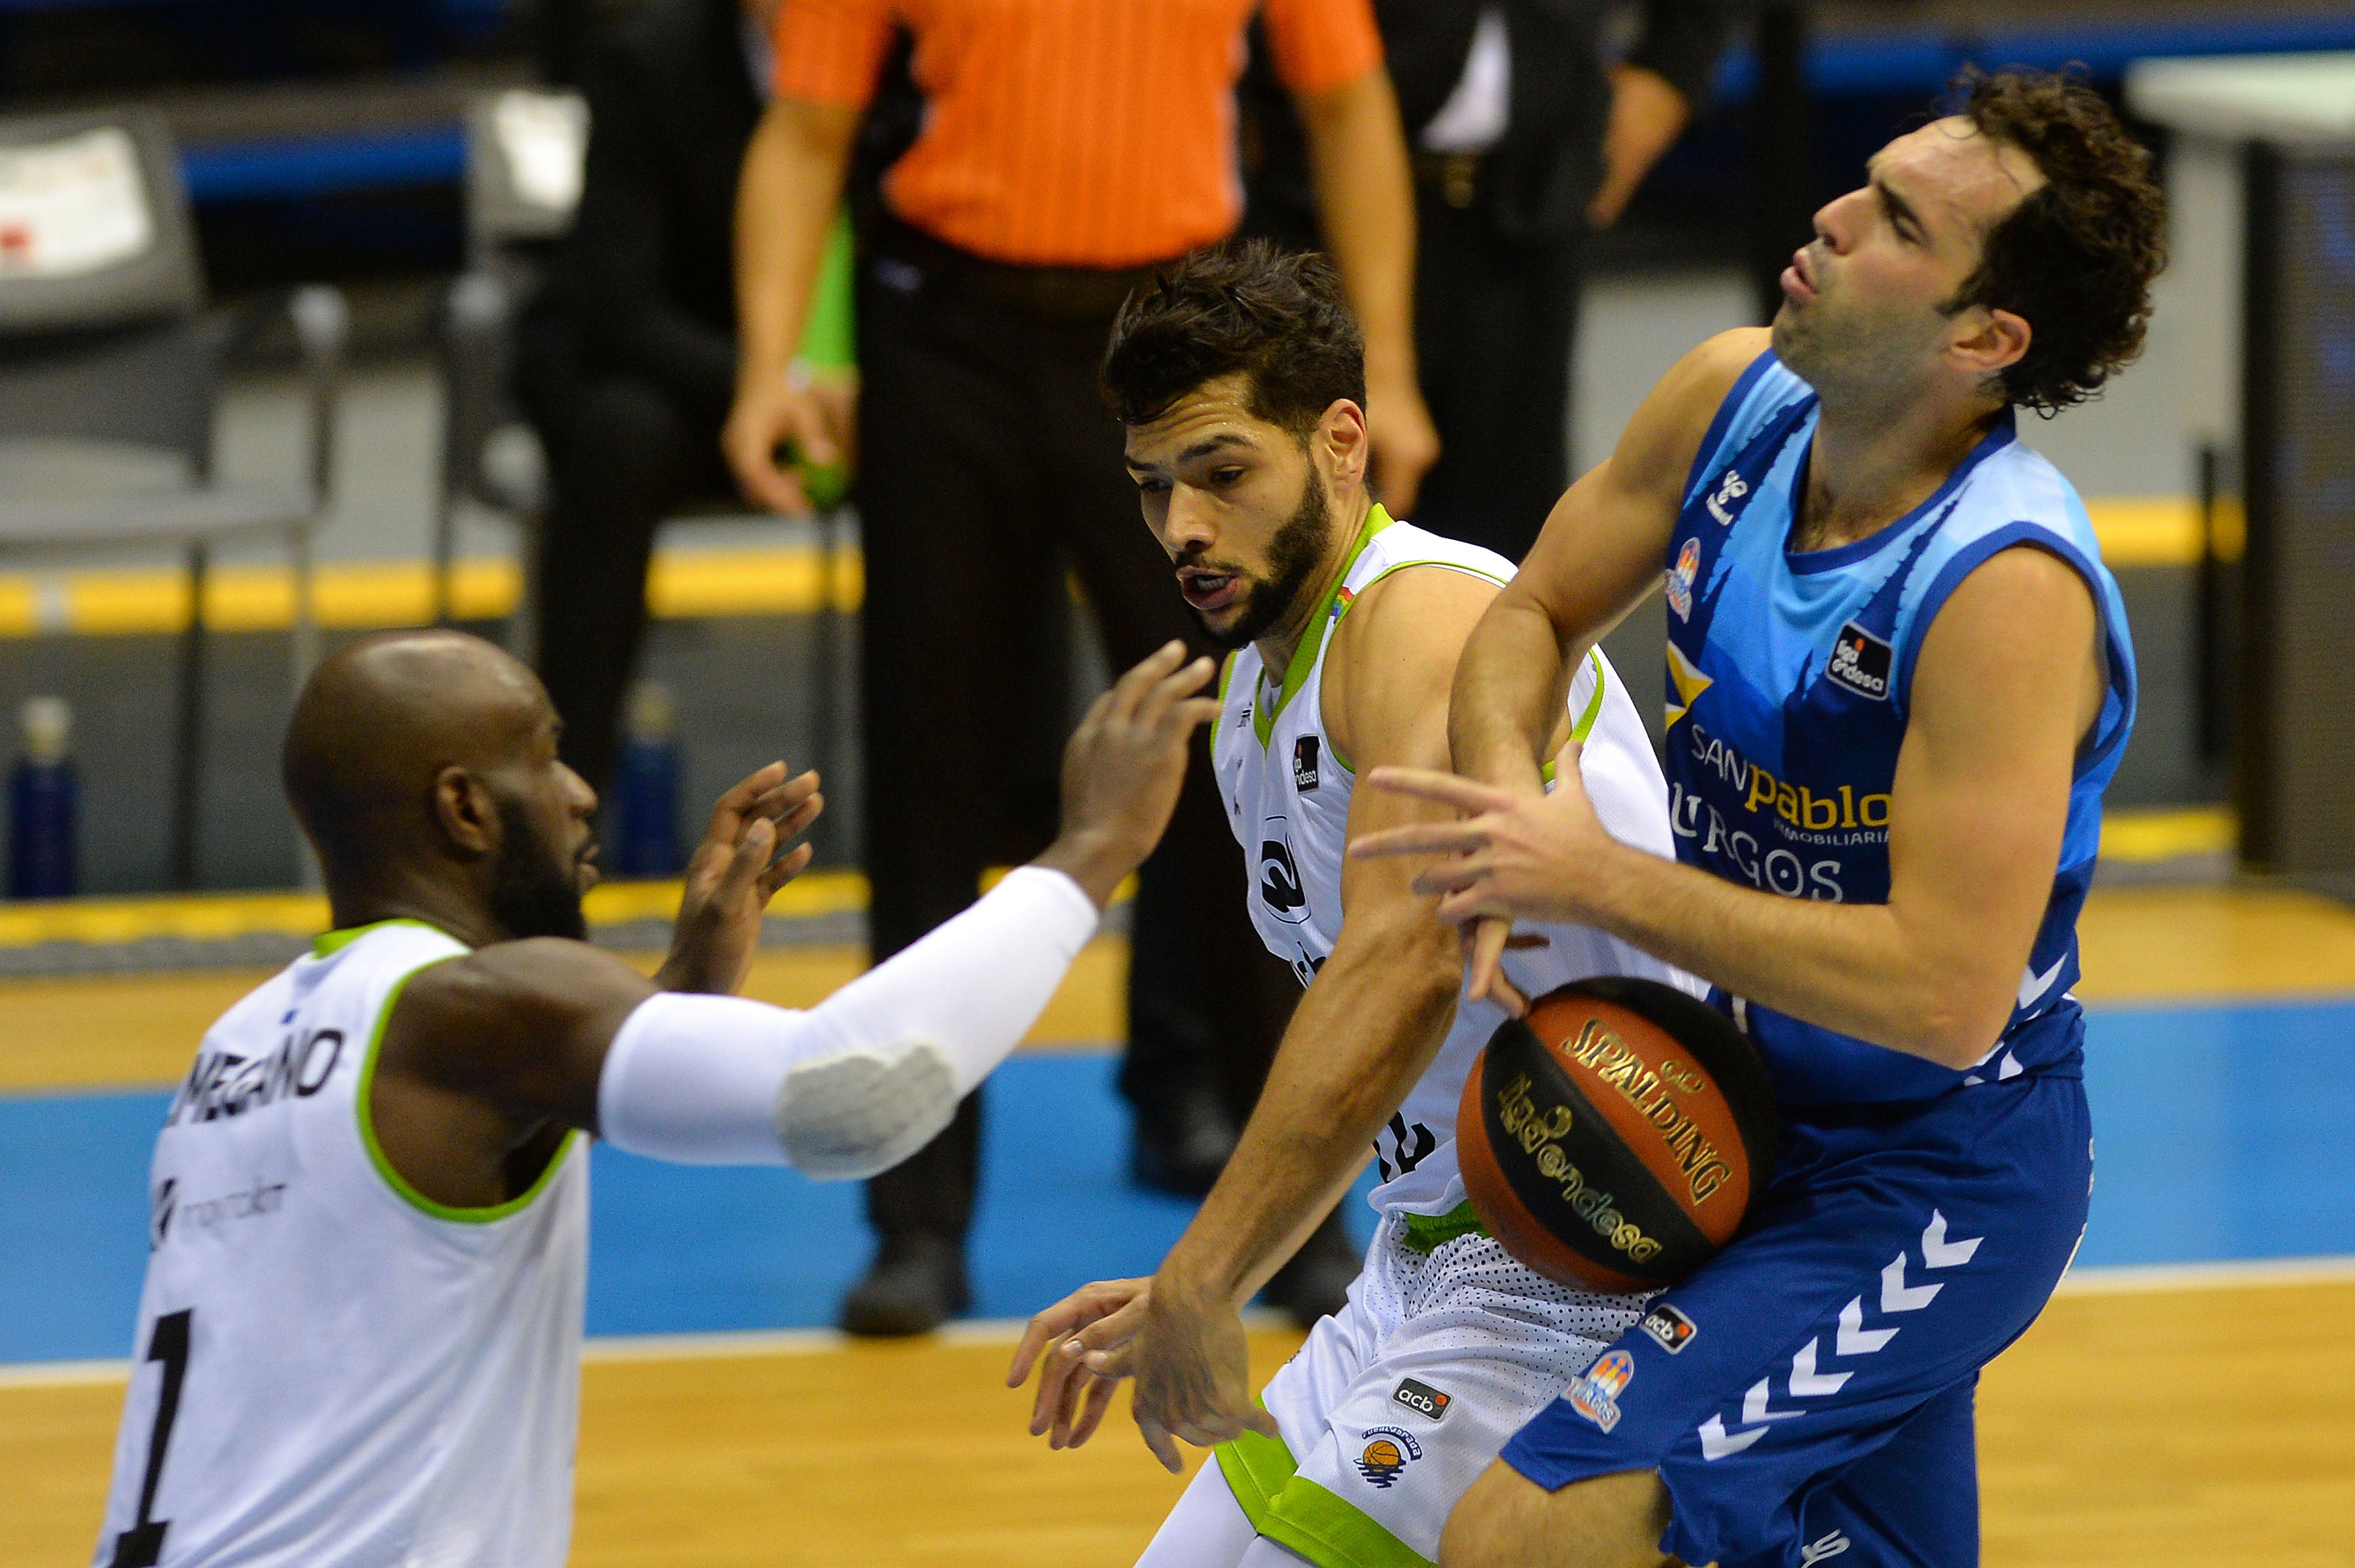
(2222, 1134)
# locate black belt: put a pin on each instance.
(1455, 176)
(1049, 294)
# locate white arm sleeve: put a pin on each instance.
(867, 1077)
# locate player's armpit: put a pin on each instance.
(521, 1025)
(1604, 544)
(2007, 683)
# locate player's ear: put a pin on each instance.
(464, 812)
(1987, 341)
(1341, 437)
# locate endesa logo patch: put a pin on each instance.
(1304, 764)
(1596, 1396)
(1860, 662)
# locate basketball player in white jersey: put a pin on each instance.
(1240, 380)
(368, 1354)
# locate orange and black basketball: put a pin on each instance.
(1618, 1136)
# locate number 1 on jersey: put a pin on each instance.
(142, 1546)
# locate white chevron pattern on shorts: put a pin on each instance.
(1753, 1407)
(1716, 1443)
(1896, 1295)
(1939, 1252)
(1806, 1382)
(1854, 1338)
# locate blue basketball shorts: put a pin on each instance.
(1808, 1392)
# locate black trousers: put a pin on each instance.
(985, 459)
(1494, 321)
(623, 453)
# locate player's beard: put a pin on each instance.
(1292, 556)
(535, 890)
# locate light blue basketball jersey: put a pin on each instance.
(1788, 683)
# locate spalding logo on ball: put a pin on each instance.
(1618, 1136)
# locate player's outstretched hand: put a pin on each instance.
(1123, 768)
(1095, 1324)
(734, 873)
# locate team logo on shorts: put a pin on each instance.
(1596, 1396)
(1815, 1551)
(1388, 1453)
(1669, 1326)
(1422, 1398)
(1304, 764)
(1681, 580)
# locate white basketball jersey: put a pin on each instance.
(1287, 794)
(335, 1371)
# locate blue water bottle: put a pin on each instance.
(44, 799)
(645, 789)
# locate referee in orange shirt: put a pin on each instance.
(1067, 148)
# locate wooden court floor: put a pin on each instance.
(2203, 1422)
(2193, 1428)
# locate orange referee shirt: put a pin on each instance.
(1069, 132)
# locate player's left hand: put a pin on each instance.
(1192, 1367)
(1095, 1319)
(1516, 856)
(734, 873)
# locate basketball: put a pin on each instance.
(1618, 1137)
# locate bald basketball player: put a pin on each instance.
(368, 1354)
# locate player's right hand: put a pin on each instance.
(812, 418)
(1122, 769)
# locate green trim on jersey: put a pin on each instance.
(333, 941)
(1312, 642)
(393, 1179)
(1583, 725)
(1294, 1511)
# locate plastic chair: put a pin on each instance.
(109, 373)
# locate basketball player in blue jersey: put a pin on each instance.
(1899, 677)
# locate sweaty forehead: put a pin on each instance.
(1954, 176)
(1216, 412)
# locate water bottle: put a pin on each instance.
(645, 788)
(44, 799)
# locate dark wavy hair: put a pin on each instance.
(1278, 315)
(2074, 259)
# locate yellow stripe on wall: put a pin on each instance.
(216, 917)
(788, 579)
(371, 595)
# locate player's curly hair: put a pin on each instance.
(2075, 259)
(1279, 315)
